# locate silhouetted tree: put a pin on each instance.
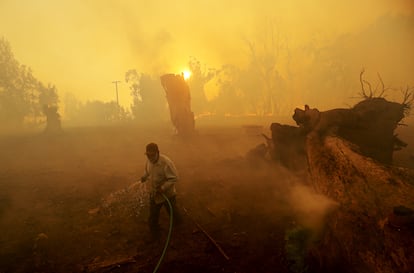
(132, 77)
(53, 125)
(148, 97)
(99, 113)
(199, 77)
(22, 96)
(231, 99)
(72, 106)
(92, 113)
(264, 66)
(14, 102)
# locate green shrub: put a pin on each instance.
(296, 243)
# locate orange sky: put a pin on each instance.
(81, 46)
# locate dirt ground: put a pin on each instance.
(65, 204)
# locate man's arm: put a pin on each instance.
(145, 176)
(170, 175)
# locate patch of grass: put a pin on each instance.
(296, 243)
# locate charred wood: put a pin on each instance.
(372, 230)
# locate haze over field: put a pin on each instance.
(315, 49)
(271, 195)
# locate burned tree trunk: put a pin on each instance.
(367, 231)
(288, 146)
(53, 125)
(370, 125)
(179, 102)
(349, 155)
(375, 122)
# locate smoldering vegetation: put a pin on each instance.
(65, 203)
(55, 190)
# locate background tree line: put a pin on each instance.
(277, 78)
(22, 96)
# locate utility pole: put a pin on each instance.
(116, 89)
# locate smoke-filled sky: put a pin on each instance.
(81, 46)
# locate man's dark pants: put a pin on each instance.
(155, 214)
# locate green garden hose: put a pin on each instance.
(168, 236)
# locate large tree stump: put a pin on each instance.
(179, 102)
(53, 124)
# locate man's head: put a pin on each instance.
(152, 152)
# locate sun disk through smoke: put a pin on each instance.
(186, 74)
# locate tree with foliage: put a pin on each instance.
(199, 77)
(99, 113)
(148, 97)
(14, 102)
(72, 106)
(92, 113)
(231, 98)
(22, 96)
(264, 66)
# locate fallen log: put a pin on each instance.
(370, 125)
(359, 236)
(348, 155)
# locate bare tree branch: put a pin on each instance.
(383, 86)
(364, 94)
(408, 99)
(363, 83)
(372, 92)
